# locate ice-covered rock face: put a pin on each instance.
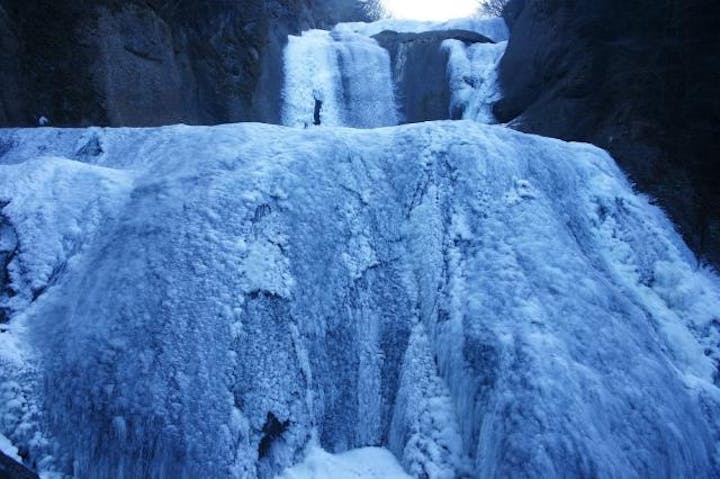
(481, 302)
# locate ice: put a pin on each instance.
(212, 301)
(51, 206)
(493, 28)
(337, 79)
(8, 449)
(365, 463)
(344, 78)
(473, 76)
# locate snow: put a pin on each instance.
(473, 76)
(214, 300)
(365, 463)
(493, 28)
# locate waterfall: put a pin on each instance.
(344, 77)
(337, 79)
(447, 299)
(473, 75)
(461, 294)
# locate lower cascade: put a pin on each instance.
(440, 300)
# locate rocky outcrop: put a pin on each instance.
(640, 79)
(419, 67)
(108, 62)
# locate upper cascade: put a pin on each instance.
(345, 77)
(493, 28)
(473, 75)
(337, 79)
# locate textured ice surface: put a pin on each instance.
(365, 463)
(473, 75)
(344, 78)
(207, 301)
(337, 79)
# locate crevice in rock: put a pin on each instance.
(263, 293)
(8, 251)
(92, 148)
(141, 54)
(273, 429)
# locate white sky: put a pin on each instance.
(430, 9)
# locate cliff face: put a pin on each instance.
(109, 62)
(640, 79)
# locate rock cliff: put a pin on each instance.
(640, 79)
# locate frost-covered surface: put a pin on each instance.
(337, 79)
(473, 75)
(8, 449)
(493, 28)
(210, 300)
(365, 463)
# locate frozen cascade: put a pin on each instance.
(473, 75)
(344, 78)
(230, 301)
(337, 78)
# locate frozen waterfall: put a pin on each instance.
(493, 28)
(442, 300)
(344, 77)
(473, 76)
(479, 302)
(337, 79)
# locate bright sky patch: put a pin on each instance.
(430, 9)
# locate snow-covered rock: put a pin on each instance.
(209, 301)
(494, 27)
(365, 463)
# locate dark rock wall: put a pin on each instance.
(142, 63)
(640, 79)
